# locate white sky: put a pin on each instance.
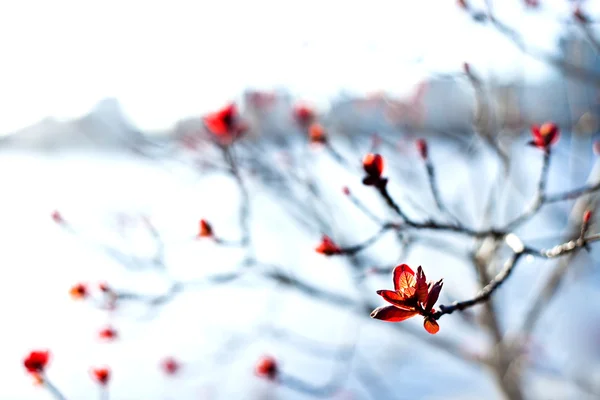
(169, 59)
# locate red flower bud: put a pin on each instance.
(328, 247)
(587, 216)
(36, 361)
(170, 366)
(544, 136)
(373, 165)
(101, 375)
(103, 286)
(57, 217)
(346, 190)
(205, 229)
(266, 367)
(422, 148)
(304, 114)
(79, 291)
(225, 123)
(316, 134)
(108, 333)
(462, 4)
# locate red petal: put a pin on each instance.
(421, 286)
(434, 293)
(395, 298)
(392, 314)
(398, 271)
(535, 132)
(431, 326)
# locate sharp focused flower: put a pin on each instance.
(412, 295)
(266, 367)
(108, 333)
(36, 361)
(205, 229)
(373, 166)
(316, 134)
(101, 375)
(544, 136)
(422, 148)
(170, 366)
(79, 291)
(328, 247)
(225, 123)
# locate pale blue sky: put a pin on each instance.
(165, 60)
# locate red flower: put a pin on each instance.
(316, 134)
(266, 367)
(36, 361)
(422, 148)
(205, 229)
(225, 123)
(57, 217)
(108, 333)
(79, 291)
(101, 375)
(304, 114)
(328, 247)
(412, 295)
(373, 166)
(346, 190)
(544, 136)
(170, 366)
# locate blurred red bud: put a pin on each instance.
(304, 114)
(587, 216)
(79, 291)
(373, 165)
(316, 134)
(57, 217)
(266, 367)
(346, 190)
(108, 333)
(101, 375)
(205, 229)
(422, 148)
(170, 365)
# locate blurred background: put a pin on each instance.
(108, 167)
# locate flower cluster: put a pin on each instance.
(412, 295)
